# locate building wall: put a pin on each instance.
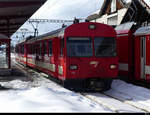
(121, 14)
(113, 19)
(103, 19)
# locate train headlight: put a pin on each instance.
(113, 66)
(73, 67)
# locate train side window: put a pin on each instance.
(36, 49)
(61, 46)
(22, 47)
(32, 49)
(50, 48)
(44, 48)
(29, 49)
(40, 49)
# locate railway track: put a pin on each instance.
(112, 102)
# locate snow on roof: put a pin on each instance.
(3, 36)
(125, 26)
(127, 1)
(142, 31)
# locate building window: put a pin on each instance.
(112, 20)
(113, 6)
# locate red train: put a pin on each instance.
(133, 45)
(81, 56)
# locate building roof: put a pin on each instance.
(14, 13)
(101, 12)
(134, 9)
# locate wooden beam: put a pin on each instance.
(8, 4)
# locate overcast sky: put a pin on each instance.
(68, 9)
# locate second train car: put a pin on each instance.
(133, 44)
(82, 56)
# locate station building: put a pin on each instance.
(116, 12)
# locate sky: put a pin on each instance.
(63, 10)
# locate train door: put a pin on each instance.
(61, 59)
(52, 54)
(46, 60)
(38, 61)
(143, 56)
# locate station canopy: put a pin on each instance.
(14, 13)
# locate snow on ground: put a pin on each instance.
(131, 94)
(51, 98)
(43, 96)
(47, 96)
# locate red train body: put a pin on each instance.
(81, 56)
(142, 54)
(133, 46)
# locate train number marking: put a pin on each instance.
(95, 63)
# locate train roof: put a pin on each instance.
(142, 31)
(58, 32)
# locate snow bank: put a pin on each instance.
(131, 94)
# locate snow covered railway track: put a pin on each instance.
(111, 99)
(113, 104)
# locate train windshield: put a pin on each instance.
(79, 47)
(105, 47)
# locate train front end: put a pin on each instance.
(91, 59)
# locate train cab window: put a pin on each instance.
(79, 47)
(105, 47)
(50, 48)
(61, 46)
